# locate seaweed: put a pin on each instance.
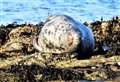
(20, 62)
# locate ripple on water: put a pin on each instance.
(36, 10)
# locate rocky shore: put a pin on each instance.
(20, 61)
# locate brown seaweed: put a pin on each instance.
(27, 64)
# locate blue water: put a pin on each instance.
(34, 11)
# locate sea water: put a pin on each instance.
(34, 11)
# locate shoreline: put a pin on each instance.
(20, 61)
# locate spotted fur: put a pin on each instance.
(62, 34)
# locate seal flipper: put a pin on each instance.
(35, 44)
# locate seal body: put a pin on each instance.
(61, 34)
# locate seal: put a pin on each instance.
(63, 34)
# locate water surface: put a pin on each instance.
(34, 11)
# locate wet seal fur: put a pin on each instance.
(61, 34)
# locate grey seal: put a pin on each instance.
(63, 34)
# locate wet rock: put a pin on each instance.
(19, 38)
(3, 35)
(19, 61)
(117, 79)
(106, 35)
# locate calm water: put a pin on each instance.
(34, 11)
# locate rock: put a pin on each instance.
(19, 38)
(117, 79)
(19, 61)
(12, 47)
(61, 34)
(3, 35)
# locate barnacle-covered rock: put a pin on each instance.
(62, 34)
